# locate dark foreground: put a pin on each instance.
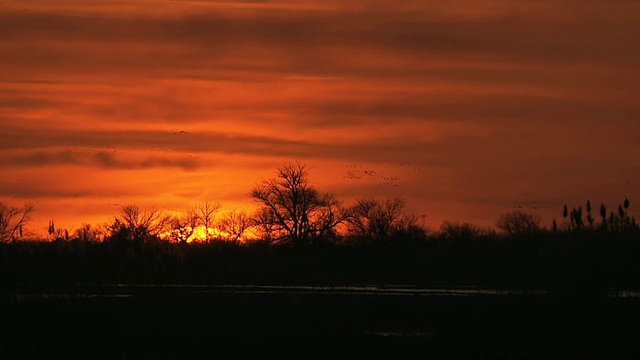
(205, 322)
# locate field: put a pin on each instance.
(129, 321)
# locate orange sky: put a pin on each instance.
(464, 108)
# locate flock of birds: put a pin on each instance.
(358, 172)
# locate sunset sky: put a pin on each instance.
(466, 108)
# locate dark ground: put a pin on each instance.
(197, 323)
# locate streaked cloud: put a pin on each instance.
(91, 158)
(467, 105)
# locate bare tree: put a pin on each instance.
(378, 220)
(265, 223)
(88, 233)
(293, 210)
(183, 227)
(518, 222)
(141, 224)
(203, 215)
(235, 223)
(13, 221)
(465, 231)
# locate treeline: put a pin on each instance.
(299, 235)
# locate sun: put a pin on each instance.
(199, 234)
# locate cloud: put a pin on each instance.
(487, 98)
(332, 41)
(92, 158)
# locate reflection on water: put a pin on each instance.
(27, 291)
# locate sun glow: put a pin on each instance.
(201, 234)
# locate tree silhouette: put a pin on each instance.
(457, 231)
(235, 223)
(379, 220)
(138, 225)
(293, 210)
(183, 227)
(266, 224)
(518, 222)
(87, 233)
(13, 221)
(204, 215)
